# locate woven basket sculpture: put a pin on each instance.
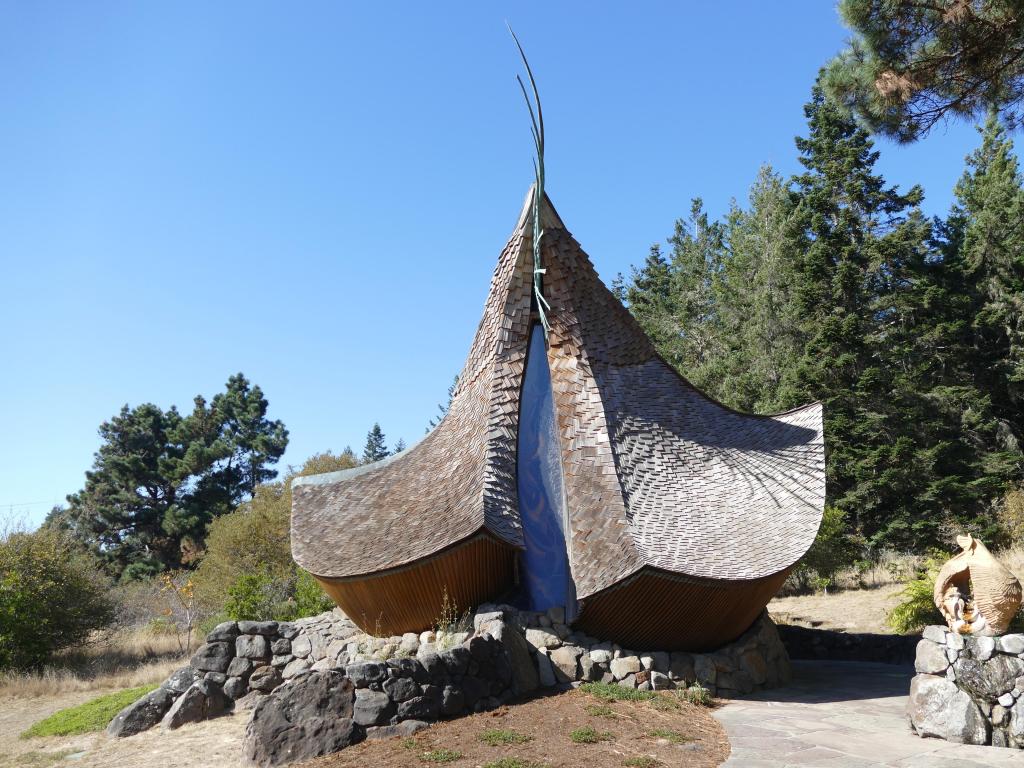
(976, 593)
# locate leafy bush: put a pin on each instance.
(310, 598)
(248, 561)
(264, 597)
(94, 715)
(917, 609)
(834, 549)
(52, 596)
(257, 597)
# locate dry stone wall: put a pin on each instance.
(969, 689)
(491, 658)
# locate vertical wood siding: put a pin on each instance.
(659, 611)
(409, 599)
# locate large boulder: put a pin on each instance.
(372, 707)
(930, 658)
(180, 680)
(989, 679)
(213, 657)
(938, 708)
(308, 716)
(204, 699)
(142, 714)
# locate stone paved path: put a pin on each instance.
(842, 715)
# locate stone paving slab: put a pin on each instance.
(842, 715)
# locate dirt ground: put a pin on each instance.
(547, 720)
(213, 744)
(855, 610)
(626, 729)
(217, 743)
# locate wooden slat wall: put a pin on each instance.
(658, 611)
(409, 599)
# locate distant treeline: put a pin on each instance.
(833, 286)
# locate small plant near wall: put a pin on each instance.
(450, 623)
(180, 611)
(917, 608)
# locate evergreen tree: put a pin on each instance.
(852, 230)
(399, 446)
(442, 408)
(754, 298)
(159, 478)
(988, 224)
(912, 64)
(376, 447)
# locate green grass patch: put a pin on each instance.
(589, 735)
(440, 756)
(514, 762)
(497, 737)
(665, 703)
(94, 715)
(600, 710)
(642, 761)
(673, 736)
(614, 692)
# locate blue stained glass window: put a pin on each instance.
(546, 577)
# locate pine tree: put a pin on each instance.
(852, 228)
(160, 478)
(376, 445)
(442, 408)
(399, 447)
(755, 302)
(988, 223)
(913, 64)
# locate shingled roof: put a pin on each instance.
(656, 474)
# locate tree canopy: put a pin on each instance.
(912, 63)
(833, 286)
(159, 478)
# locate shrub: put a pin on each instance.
(310, 598)
(697, 695)
(834, 549)
(94, 715)
(257, 597)
(917, 609)
(248, 560)
(52, 596)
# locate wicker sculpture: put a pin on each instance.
(976, 594)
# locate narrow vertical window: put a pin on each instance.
(547, 579)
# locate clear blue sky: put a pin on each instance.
(315, 193)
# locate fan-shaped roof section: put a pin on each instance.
(655, 473)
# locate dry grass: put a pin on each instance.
(894, 568)
(127, 659)
(861, 601)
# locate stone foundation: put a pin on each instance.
(968, 688)
(499, 653)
